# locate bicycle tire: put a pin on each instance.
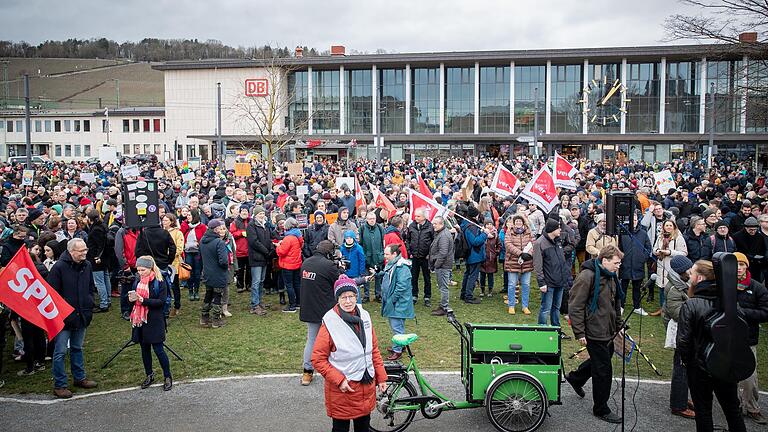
(378, 418)
(516, 403)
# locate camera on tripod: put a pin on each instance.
(343, 263)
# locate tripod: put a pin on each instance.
(132, 343)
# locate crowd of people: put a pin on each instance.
(296, 236)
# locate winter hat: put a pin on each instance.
(344, 284)
(472, 212)
(145, 262)
(258, 209)
(751, 222)
(325, 247)
(326, 196)
(33, 214)
(215, 223)
(319, 213)
(244, 207)
(707, 213)
(680, 264)
(269, 197)
(349, 234)
(740, 257)
(291, 223)
(57, 208)
(84, 201)
(280, 217)
(721, 223)
(551, 226)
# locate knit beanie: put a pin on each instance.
(707, 213)
(325, 247)
(145, 262)
(33, 214)
(740, 257)
(551, 226)
(721, 223)
(215, 223)
(680, 264)
(344, 284)
(57, 208)
(258, 209)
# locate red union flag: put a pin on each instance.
(541, 190)
(359, 199)
(25, 292)
(504, 182)
(420, 201)
(423, 188)
(314, 143)
(380, 200)
(564, 173)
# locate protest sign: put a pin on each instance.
(27, 177)
(129, 171)
(664, 181)
(242, 169)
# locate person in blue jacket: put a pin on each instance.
(476, 238)
(396, 294)
(353, 252)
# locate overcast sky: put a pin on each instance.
(364, 25)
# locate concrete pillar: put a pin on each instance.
(548, 97)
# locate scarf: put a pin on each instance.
(140, 311)
(354, 322)
(599, 271)
(744, 283)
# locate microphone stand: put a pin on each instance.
(624, 327)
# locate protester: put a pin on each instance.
(215, 261)
(552, 272)
(239, 232)
(260, 252)
(419, 237)
(193, 231)
(441, 253)
(637, 250)
(518, 262)
(372, 241)
(669, 243)
(289, 255)
(396, 294)
(489, 267)
(343, 224)
(170, 224)
(475, 239)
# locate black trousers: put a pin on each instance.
(34, 344)
(243, 275)
(420, 265)
(637, 285)
(3, 327)
(362, 424)
(599, 368)
(702, 386)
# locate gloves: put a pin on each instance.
(526, 256)
(543, 288)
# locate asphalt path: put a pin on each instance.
(279, 403)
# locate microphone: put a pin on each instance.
(649, 282)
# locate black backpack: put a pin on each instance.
(461, 248)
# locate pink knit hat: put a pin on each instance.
(344, 284)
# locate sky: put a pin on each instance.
(362, 25)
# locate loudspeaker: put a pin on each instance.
(619, 208)
(141, 203)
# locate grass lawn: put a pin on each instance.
(250, 344)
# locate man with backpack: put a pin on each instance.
(372, 240)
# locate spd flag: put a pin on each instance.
(381, 200)
(423, 188)
(359, 198)
(430, 207)
(504, 182)
(564, 173)
(25, 292)
(541, 190)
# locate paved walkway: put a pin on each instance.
(279, 403)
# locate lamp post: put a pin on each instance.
(710, 148)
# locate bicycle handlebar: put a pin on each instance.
(456, 324)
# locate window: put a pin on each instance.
(157, 149)
(425, 100)
(682, 99)
(86, 150)
(358, 101)
(163, 125)
(460, 100)
(325, 101)
(529, 81)
(298, 111)
(9, 126)
(2, 125)
(190, 151)
(104, 126)
(86, 125)
(146, 125)
(565, 115)
(77, 150)
(757, 101)
(77, 125)
(67, 150)
(38, 126)
(57, 125)
(392, 100)
(147, 149)
(126, 125)
(606, 75)
(643, 88)
(67, 125)
(58, 150)
(137, 149)
(725, 75)
(19, 126)
(126, 149)
(47, 125)
(136, 125)
(155, 125)
(494, 99)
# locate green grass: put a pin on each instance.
(250, 344)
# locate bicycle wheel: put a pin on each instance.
(383, 419)
(516, 403)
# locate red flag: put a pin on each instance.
(25, 292)
(381, 200)
(423, 188)
(541, 190)
(314, 143)
(504, 182)
(359, 199)
(564, 173)
(426, 203)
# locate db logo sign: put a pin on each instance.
(256, 87)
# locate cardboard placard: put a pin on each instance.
(170, 173)
(187, 177)
(664, 181)
(302, 191)
(129, 171)
(194, 162)
(87, 177)
(349, 181)
(27, 177)
(159, 174)
(303, 220)
(295, 168)
(330, 218)
(242, 169)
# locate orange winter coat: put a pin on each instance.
(340, 405)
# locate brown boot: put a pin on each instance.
(86, 384)
(62, 393)
(218, 322)
(172, 313)
(306, 377)
(258, 310)
(439, 311)
(205, 321)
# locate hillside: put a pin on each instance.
(79, 83)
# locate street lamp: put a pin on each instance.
(712, 124)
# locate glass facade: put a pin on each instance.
(644, 91)
(725, 76)
(606, 74)
(565, 114)
(425, 100)
(358, 101)
(298, 98)
(392, 100)
(325, 101)
(494, 99)
(682, 97)
(527, 79)
(460, 100)
(757, 99)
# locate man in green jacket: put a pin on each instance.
(372, 241)
(396, 294)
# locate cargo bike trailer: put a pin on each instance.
(514, 371)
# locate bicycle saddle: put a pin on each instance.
(404, 339)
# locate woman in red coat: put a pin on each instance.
(346, 353)
(237, 228)
(289, 260)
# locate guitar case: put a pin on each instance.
(728, 357)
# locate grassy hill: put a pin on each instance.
(79, 83)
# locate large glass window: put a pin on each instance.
(425, 100)
(565, 114)
(682, 98)
(725, 75)
(494, 99)
(605, 75)
(643, 89)
(298, 109)
(527, 79)
(47, 124)
(38, 125)
(460, 100)
(358, 103)
(757, 99)
(325, 101)
(392, 100)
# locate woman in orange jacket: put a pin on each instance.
(346, 353)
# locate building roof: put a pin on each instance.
(637, 53)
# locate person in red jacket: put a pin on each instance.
(289, 260)
(238, 228)
(346, 353)
(392, 235)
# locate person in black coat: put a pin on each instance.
(148, 296)
(260, 252)
(419, 238)
(215, 258)
(637, 249)
(697, 240)
(97, 247)
(13, 244)
(158, 243)
(751, 244)
(314, 234)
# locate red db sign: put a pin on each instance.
(256, 87)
